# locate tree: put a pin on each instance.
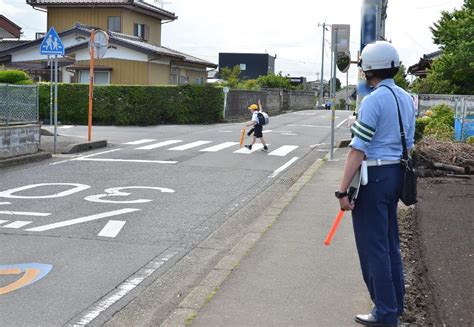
(274, 81)
(400, 79)
(230, 76)
(453, 71)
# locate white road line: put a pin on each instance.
(140, 141)
(128, 160)
(268, 131)
(17, 224)
(312, 126)
(123, 289)
(283, 150)
(112, 229)
(5, 203)
(66, 126)
(3, 221)
(341, 123)
(189, 145)
(289, 134)
(219, 147)
(158, 145)
(81, 220)
(282, 168)
(96, 154)
(255, 147)
(25, 213)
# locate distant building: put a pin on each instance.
(252, 65)
(421, 68)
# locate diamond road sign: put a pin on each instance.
(52, 44)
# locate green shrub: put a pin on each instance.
(420, 126)
(136, 105)
(470, 140)
(14, 77)
(441, 123)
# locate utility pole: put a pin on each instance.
(321, 86)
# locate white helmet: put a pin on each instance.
(379, 55)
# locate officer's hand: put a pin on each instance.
(345, 204)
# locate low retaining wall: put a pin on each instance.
(274, 101)
(19, 140)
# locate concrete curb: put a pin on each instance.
(189, 307)
(25, 159)
(81, 147)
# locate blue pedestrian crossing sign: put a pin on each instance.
(52, 44)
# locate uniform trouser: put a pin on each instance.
(376, 234)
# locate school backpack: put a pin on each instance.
(263, 118)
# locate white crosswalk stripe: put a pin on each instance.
(17, 224)
(283, 150)
(219, 147)
(189, 145)
(142, 141)
(158, 145)
(255, 147)
(3, 221)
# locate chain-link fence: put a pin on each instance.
(19, 104)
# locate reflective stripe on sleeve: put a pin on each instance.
(363, 131)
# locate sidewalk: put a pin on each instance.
(290, 278)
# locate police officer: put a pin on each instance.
(377, 139)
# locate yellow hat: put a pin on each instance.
(253, 107)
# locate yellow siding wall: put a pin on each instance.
(159, 74)
(65, 18)
(154, 24)
(124, 71)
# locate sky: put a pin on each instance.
(286, 28)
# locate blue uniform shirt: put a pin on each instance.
(377, 131)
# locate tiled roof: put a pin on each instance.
(139, 4)
(8, 44)
(138, 43)
(125, 40)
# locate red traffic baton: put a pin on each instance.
(333, 229)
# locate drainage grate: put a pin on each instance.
(286, 181)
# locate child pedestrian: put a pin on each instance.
(257, 125)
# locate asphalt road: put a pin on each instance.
(81, 234)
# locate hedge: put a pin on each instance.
(14, 77)
(135, 105)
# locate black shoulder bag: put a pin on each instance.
(408, 194)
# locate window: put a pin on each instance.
(99, 77)
(199, 81)
(183, 80)
(113, 24)
(174, 75)
(141, 30)
(243, 67)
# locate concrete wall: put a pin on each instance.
(19, 140)
(300, 100)
(427, 101)
(274, 101)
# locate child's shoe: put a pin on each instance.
(249, 147)
(265, 148)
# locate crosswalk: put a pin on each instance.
(180, 145)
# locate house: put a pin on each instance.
(10, 34)
(252, 65)
(421, 68)
(134, 55)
